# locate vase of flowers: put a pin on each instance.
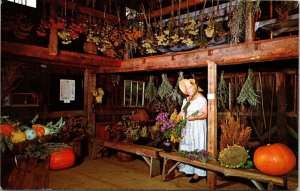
(167, 145)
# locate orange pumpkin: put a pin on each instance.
(64, 158)
(6, 129)
(275, 159)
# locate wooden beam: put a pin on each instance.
(249, 28)
(64, 58)
(212, 119)
(169, 9)
(251, 52)
(281, 107)
(53, 38)
(89, 84)
(85, 10)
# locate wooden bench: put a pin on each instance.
(251, 174)
(149, 154)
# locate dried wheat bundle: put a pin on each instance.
(233, 132)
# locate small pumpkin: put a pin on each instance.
(274, 159)
(6, 129)
(62, 159)
(39, 129)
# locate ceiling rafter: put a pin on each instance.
(86, 10)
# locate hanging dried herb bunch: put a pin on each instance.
(233, 133)
(176, 96)
(115, 79)
(165, 89)
(237, 23)
(247, 92)
(151, 90)
(222, 93)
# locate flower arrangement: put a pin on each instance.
(74, 129)
(93, 35)
(68, 29)
(127, 130)
(98, 94)
(170, 127)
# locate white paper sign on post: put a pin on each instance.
(67, 90)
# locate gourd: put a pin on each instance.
(30, 134)
(62, 159)
(274, 159)
(6, 129)
(18, 137)
(47, 131)
(39, 129)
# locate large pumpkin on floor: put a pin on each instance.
(274, 159)
(62, 159)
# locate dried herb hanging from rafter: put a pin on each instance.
(222, 93)
(176, 96)
(151, 90)
(247, 92)
(237, 23)
(165, 88)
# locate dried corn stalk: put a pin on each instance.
(165, 89)
(151, 90)
(233, 133)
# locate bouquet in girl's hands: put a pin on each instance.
(170, 127)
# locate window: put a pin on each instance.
(29, 3)
(134, 93)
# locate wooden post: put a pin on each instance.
(89, 84)
(281, 104)
(249, 28)
(53, 39)
(212, 119)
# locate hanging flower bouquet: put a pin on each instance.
(68, 29)
(98, 94)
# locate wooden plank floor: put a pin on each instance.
(109, 173)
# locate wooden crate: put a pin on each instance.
(29, 173)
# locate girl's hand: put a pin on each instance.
(181, 114)
(191, 118)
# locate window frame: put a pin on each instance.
(134, 91)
